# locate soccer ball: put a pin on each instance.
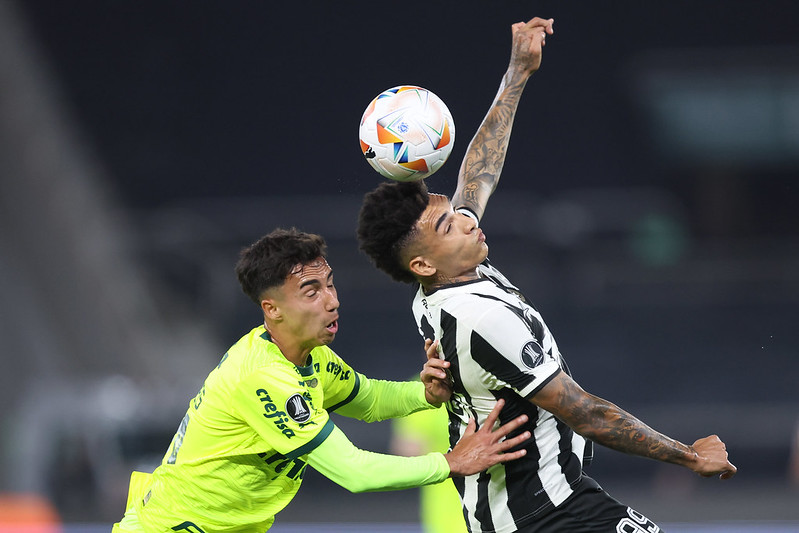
(407, 133)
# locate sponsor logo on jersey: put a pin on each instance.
(532, 354)
(279, 418)
(297, 408)
(282, 465)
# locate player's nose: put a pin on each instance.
(470, 225)
(332, 300)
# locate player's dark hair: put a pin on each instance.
(267, 262)
(387, 223)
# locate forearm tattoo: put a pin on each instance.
(609, 425)
(485, 156)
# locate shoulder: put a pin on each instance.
(323, 354)
(475, 301)
(255, 353)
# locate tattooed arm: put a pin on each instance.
(482, 165)
(605, 423)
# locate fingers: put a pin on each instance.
(729, 473)
(533, 33)
(434, 368)
(509, 427)
(470, 428)
(504, 429)
(512, 456)
(536, 26)
(491, 419)
(431, 349)
(713, 452)
(547, 25)
(501, 432)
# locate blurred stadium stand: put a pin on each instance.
(113, 315)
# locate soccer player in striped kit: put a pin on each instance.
(497, 347)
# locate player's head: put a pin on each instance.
(287, 275)
(413, 235)
(269, 261)
(387, 223)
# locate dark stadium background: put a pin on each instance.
(648, 207)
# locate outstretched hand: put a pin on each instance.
(711, 458)
(437, 385)
(482, 449)
(529, 38)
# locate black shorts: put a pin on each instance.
(591, 510)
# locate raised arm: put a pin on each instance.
(485, 156)
(603, 422)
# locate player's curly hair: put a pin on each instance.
(386, 224)
(267, 262)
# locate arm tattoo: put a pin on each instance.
(607, 424)
(485, 156)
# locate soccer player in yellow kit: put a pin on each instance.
(261, 416)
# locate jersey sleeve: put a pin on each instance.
(352, 394)
(505, 347)
(380, 400)
(276, 405)
(359, 470)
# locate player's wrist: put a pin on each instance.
(452, 462)
(689, 458)
(519, 73)
(433, 400)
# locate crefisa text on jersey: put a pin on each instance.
(279, 418)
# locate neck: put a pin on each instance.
(294, 352)
(442, 280)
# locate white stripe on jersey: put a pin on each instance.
(499, 346)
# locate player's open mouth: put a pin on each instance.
(332, 327)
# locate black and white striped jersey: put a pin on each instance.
(499, 347)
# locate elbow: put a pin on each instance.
(356, 486)
(369, 418)
(361, 488)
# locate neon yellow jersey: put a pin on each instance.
(238, 455)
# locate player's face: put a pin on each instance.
(452, 242)
(308, 305)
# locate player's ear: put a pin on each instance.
(270, 309)
(421, 267)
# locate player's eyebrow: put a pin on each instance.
(315, 281)
(309, 282)
(440, 221)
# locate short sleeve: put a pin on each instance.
(276, 405)
(504, 346)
